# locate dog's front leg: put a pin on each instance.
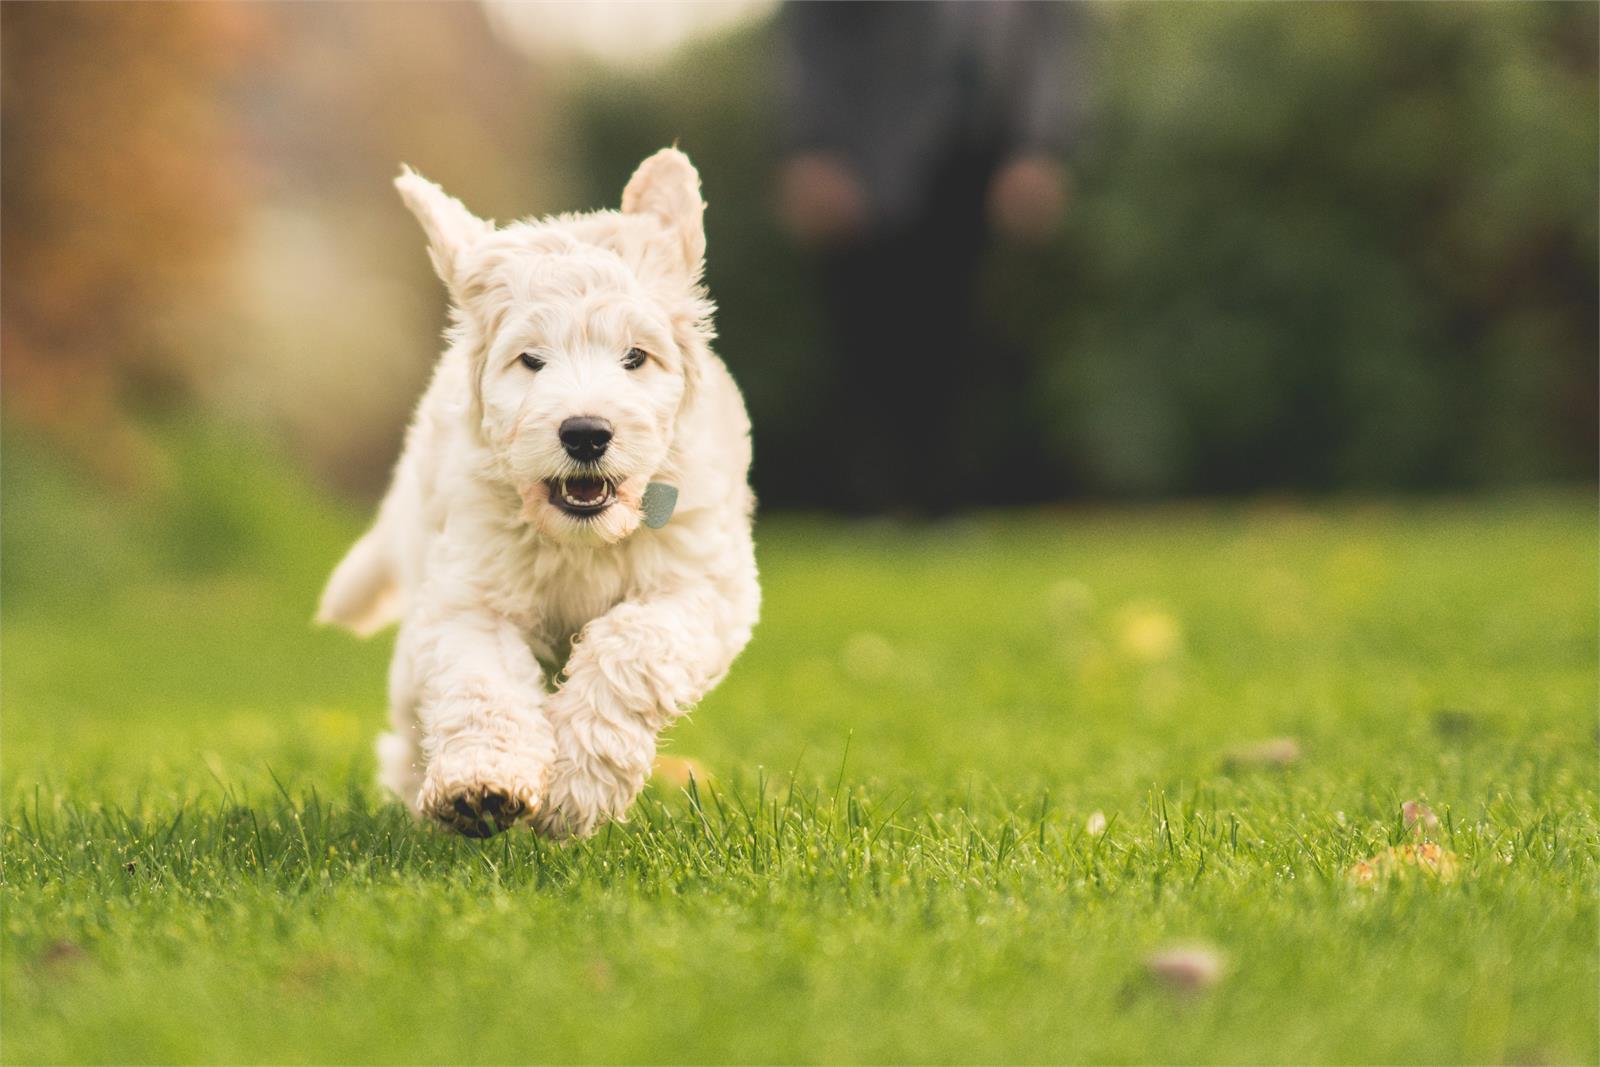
(632, 671)
(476, 692)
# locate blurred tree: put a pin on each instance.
(331, 313)
(123, 179)
(197, 215)
(1336, 245)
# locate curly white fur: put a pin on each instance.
(492, 582)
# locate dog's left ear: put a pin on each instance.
(451, 229)
(667, 186)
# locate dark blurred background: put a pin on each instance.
(1305, 247)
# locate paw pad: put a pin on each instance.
(481, 814)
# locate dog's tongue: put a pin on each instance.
(585, 490)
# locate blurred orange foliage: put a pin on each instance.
(122, 180)
(197, 215)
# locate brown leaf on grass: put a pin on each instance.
(1272, 754)
(61, 955)
(1419, 818)
(1453, 722)
(313, 970)
(1186, 968)
(598, 976)
(675, 771)
(1426, 858)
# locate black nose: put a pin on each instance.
(585, 437)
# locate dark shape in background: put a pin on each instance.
(915, 134)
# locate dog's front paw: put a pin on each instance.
(583, 796)
(479, 792)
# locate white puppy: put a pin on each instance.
(510, 545)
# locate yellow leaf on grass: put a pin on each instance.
(1148, 633)
(675, 771)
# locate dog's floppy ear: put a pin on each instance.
(667, 186)
(450, 227)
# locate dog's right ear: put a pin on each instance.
(668, 187)
(452, 230)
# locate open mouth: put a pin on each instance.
(582, 495)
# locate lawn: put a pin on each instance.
(895, 857)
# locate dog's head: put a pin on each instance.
(587, 334)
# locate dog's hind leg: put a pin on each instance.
(362, 593)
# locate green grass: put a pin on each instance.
(891, 863)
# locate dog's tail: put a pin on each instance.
(362, 594)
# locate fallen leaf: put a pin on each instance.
(1453, 722)
(675, 771)
(1148, 633)
(1418, 817)
(598, 976)
(1186, 968)
(61, 955)
(1427, 858)
(1271, 754)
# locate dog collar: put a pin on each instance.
(657, 504)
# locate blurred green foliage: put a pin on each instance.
(214, 507)
(1312, 246)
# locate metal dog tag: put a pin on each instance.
(657, 503)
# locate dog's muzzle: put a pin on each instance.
(582, 496)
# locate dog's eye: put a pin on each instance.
(531, 361)
(635, 358)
